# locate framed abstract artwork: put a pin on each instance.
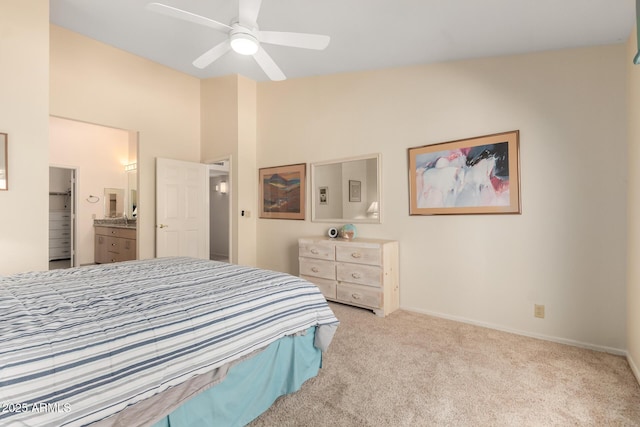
(479, 175)
(282, 191)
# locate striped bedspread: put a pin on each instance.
(81, 344)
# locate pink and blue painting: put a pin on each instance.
(471, 176)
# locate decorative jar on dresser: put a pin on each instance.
(360, 272)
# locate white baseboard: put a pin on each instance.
(634, 367)
(559, 340)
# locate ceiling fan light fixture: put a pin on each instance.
(243, 43)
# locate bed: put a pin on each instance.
(164, 342)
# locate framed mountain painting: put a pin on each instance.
(282, 191)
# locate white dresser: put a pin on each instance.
(361, 272)
(59, 234)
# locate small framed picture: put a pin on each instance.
(324, 195)
(355, 190)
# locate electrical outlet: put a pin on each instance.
(93, 216)
(538, 311)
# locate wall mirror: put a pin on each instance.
(347, 190)
(132, 200)
(113, 202)
(3, 162)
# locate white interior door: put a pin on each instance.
(182, 209)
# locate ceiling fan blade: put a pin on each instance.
(249, 10)
(187, 16)
(212, 54)
(305, 41)
(268, 65)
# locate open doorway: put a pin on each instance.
(62, 217)
(104, 158)
(219, 210)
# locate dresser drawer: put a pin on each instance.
(326, 286)
(59, 215)
(317, 268)
(127, 233)
(311, 249)
(369, 275)
(59, 243)
(59, 225)
(59, 253)
(60, 233)
(359, 254)
(360, 295)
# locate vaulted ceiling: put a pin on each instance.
(365, 34)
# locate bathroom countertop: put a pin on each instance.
(115, 223)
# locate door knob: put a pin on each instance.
(163, 226)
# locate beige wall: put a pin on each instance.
(566, 250)
(98, 154)
(247, 195)
(633, 213)
(228, 114)
(24, 116)
(97, 83)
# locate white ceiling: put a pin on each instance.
(365, 34)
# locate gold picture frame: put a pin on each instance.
(283, 191)
(479, 175)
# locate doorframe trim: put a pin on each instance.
(232, 198)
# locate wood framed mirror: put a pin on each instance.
(347, 190)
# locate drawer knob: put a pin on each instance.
(315, 269)
(315, 251)
(356, 255)
(355, 296)
(356, 275)
(113, 244)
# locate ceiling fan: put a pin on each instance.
(244, 37)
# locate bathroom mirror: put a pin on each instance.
(347, 190)
(132, 193)
(113, 202)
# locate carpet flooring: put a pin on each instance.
(410, 369)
